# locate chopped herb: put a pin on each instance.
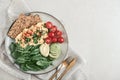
(44, 32)
(38, 31)
(39, 38)
(35, 35)
(27, 40)
(19, 41)
(35, 40)
(44, 25)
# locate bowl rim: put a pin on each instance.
(35, 72)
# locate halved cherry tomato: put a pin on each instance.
(60, 39)
(30, 32)
(49, 25)
(51, 34)
(26, 34)
(58, 33)
(54, 39)
(48, 40)
(53, 29)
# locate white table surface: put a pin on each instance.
(93, 27)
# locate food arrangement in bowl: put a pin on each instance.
(36, 43)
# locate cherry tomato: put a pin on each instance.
(48, 40)
(30, 32)
(54, 39)
(60, 39)
(51, 34)
(26, 34)
(58, 33)
(53, 29)
(49, 25)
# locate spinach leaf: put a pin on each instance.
(23, 67)
(15, 54)
(36, 57)
(50, 58)
(32, 67)
(22, 51)
(29, 58)
(20, 60)
(35, 51)
(34, 47)
(28, 47)
(12, 47)
(43, 64)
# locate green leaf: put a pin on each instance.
(37, 46)
(28, 47)
(39, 63)
(20, 60)
(19, 48)
(35, 51)
(12, 47)
(22, 51)
(32, 67)
(23, 67)
(43, 64)
(15, 54)
(36, 57)
(50, 58)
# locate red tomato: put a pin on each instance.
(54, 39)
(60, 39)
(58, 33)
(51, 34)
(53, 29)
(49, 25)
(26, 34)
(30, 32)
(48, 40)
